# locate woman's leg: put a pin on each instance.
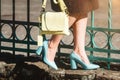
(55, 40)
(79, 30)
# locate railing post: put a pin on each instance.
(28, 26)
(109, 27)
(0, 25)
(0, 11)
(13, 18)
(92, 37)
(109, 14)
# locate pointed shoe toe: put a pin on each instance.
(91, 66)
(52, 64)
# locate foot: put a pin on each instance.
(51, 52)
(74, 59)
(47, 55)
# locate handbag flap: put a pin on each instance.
(54, 21)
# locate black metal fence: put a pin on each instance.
(12, 26)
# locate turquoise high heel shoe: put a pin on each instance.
(74, 58)
(39, 50)
(51, 64)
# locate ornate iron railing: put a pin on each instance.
(10, 34)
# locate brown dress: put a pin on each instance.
(78, 6)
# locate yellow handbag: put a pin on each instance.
(54, 22)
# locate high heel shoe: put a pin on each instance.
(39, 50)
(74, 58)
(50, 63)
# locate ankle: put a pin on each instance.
(51, 51)
(52, 45)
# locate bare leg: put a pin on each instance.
(55, 40)
(79, 30)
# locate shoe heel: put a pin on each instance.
(73, 64)
(39, 50)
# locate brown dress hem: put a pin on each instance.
(78, 6)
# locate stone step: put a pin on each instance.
(40, 71)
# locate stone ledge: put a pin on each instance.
(39, 70)
(20, 67)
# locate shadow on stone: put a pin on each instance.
(24, 71)
(10, 58)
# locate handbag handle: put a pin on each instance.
(61, 3)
